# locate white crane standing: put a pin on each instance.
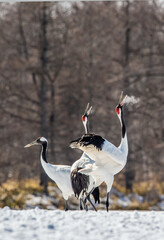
(82, 184)
(109, 159)
(58, 173)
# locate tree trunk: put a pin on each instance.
(90, 64)
(43, 90)
(129, 170)
(52, 122)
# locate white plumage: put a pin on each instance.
(83, 163)
(109, 159)
(60, 174)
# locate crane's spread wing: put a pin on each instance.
(100, 150)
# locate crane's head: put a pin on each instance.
(88, 141)
(120, 105)
(85, 117)
(38, 141)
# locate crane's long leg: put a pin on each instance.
(66, 205)
(88, 197)
(107, 201)
(109, 183)
(85, 204)
(81, 202)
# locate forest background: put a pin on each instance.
(55, 58)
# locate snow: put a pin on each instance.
(42, 224)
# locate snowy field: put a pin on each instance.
(56, 224)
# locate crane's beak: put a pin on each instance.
(31, 144)
(88, 110)
(74, 144)
(123, 101)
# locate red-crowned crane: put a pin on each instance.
(82, 184)
(60, 174)
(109, 159)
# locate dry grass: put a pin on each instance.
(14, 194)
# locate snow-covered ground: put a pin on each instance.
(56, 224)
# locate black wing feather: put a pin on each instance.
(90, 139)
(96, 195)
(79, 181)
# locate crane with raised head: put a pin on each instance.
(82, 184)
(60, 174)
(109, 159)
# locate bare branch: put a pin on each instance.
(30, 120)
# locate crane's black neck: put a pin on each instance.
(123, 124)
(44, 151)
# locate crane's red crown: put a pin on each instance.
(83, 118)
(117, 110)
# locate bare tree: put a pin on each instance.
(53, 61)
